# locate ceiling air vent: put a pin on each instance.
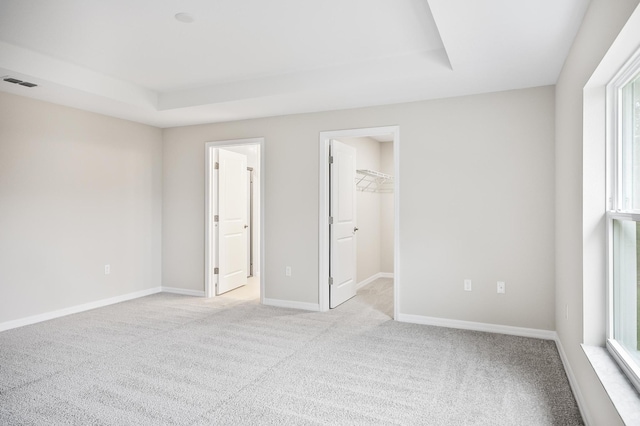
(20, 82)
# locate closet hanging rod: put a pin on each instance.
(373, 181)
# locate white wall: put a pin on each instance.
(375, 210)
(368, 210)
(78, 190)
(477, 190)
(580, 234)
(386, 211)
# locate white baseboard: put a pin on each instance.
(8, 325)
(573, 383)
(514, 331)
(374, 277)
(291, 304)
(478, 326)
(183, 291)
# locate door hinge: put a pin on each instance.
(216, 166)
(216, 271)
(216, 218)
(330, 280)
(331, 159)
(330, 220)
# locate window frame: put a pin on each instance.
(615, 204)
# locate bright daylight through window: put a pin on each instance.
(623, 330)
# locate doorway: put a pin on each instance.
(375, 218)
(234, 214)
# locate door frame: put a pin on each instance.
(210, 204)
(323, 222)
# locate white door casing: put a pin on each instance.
(343, 226)
(325, 138)
(250, 222)
(232, 220)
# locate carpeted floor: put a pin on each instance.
(168, 359)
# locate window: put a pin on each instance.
(623, 330)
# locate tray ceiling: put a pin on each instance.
(249, 58)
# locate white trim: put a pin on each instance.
(374, 277)
(479, 326)
(599, 132)
(582, 405)
(8, 325)
(291, 304)
(615, 383)
(184, 291)
(626, 363)
(323, 230)
(624, 216)
(209, 249)
(396, 222)
(323, 227)
(615, 140)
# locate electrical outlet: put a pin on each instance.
(287, 271)
(107, 269)
(501, 287)
(467, 285)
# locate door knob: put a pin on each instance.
(355, 229)
(246, 226)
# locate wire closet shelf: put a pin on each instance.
(373, 181)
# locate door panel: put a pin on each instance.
(342, 233)
(232, 225)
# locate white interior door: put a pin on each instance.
(342, 231)
(232, 220)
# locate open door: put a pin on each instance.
(232, 221)
(342, 228)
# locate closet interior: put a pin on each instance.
(375, 207)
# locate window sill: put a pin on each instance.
(621, 392)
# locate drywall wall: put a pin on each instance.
(375, 210)
(368, 210)
(386, 211)
(577, 231)
(78, 190)
(477, 194)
